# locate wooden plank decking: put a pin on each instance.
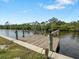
(53, 55)
(41, 41)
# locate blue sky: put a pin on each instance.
(24, 11)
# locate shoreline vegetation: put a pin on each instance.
(43, 27)
(10, 50)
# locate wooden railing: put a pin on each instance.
(51, 38)
(50, 54)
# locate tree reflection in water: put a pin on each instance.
(75, 36)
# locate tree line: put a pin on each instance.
(43, 27)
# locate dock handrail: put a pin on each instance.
(55, 32)
(37, 49)
(50, 38)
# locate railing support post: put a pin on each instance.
(46, 53)
(16, 32)
(50, 41)
(58, 48)
(23, 33)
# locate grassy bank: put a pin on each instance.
(14, 51)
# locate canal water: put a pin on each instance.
(12, 34)
(69, 42)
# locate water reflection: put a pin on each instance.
(75, 36)
(69, 44)
(7, 32)
(12, 34)
(69, 41)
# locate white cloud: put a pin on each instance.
(54, 7)
(59, 4)
(66, 1)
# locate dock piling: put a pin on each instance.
(16, 32)
(23, 34)
(46, 53)
(50, 41)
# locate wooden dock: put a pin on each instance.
(41, 41)
(51, 54)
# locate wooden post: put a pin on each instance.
(50, 41)
(16, 32)
(58, 48)
(23, 33)
(58, 33)
(46, 53)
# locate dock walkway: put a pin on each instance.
(41, 41)
(37, 49)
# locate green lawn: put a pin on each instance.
(14, 51)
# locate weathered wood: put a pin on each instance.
(55, 32)
(56, 40)
(51, 54)
(58, 48)
(16, 33)
(46, 53)
(50, 41)
(41, 41)
(23, 33)
(55, 43)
